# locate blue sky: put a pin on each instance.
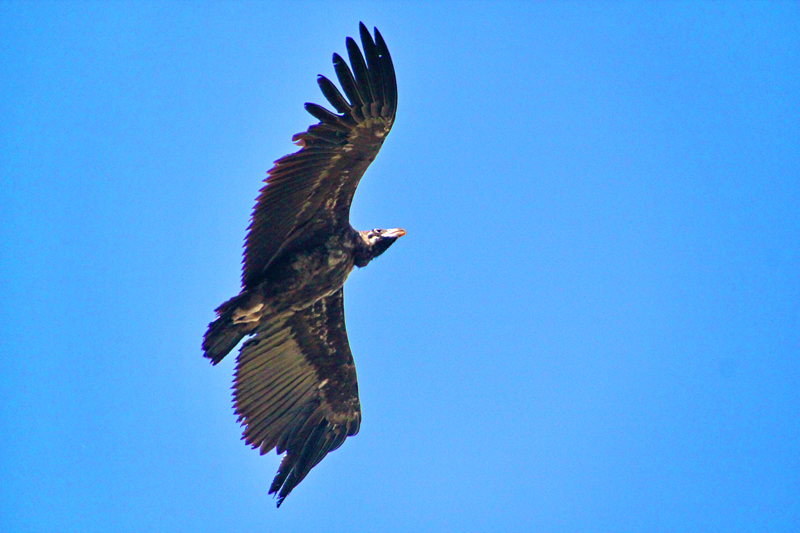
(593, 323)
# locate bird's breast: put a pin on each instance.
(310, 274)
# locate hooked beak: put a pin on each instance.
(395, 232)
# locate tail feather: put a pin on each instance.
(223, 334)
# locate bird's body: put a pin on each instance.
(295, 385)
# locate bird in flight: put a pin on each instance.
(295, 386)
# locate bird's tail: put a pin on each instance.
(224, 334)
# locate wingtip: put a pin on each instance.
(364, 33)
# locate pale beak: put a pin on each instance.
(395, 232)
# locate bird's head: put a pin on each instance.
(377, 241)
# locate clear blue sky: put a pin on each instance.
(593, 323)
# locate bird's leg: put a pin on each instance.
(250, 309)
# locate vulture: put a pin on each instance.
(295, 386)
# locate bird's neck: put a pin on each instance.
(362, 250)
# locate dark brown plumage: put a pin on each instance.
(295, 386)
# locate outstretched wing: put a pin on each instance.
(296, 390)
(312, 189)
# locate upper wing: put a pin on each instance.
(296, 390)
(312, 188)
